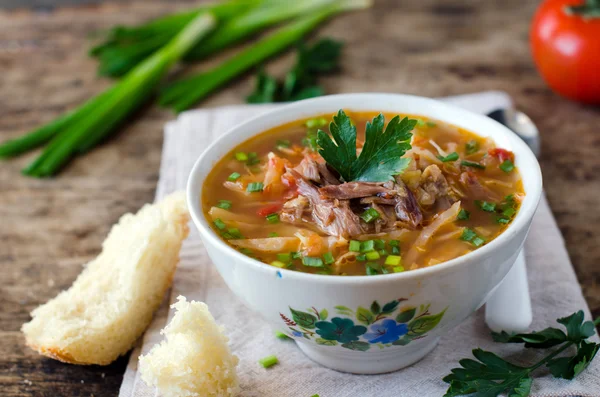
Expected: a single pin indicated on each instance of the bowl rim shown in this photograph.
(521, 221)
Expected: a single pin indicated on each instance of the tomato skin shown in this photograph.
(566, 50)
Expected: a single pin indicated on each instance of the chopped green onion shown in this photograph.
(373, 255)
(463, 215)
(273, 218)
(278, 264)
(273, 234)
(285, 143)
(315, 395)
(268, 361)
(507, 166)
(354, 246)
(296, 255)
(382, 252)
(219, 224)
(371, 271)
(246, 251)
(284, 257)
(509, 212)
(224, 204)
(235, 233)
(478, 241)
(451, 157)
(393, 260)
(394, 243)
(254, 187)
(468, 234)
(398, 269)
(183, 93)
(241, 156)
(430, 124)
(486, 205)
(379, 244)
(234, 176)
(510, 199)
(502, 220)
(361, 257)
(472, 164)
(396, 250)
(370, 215)
(312, 262)
(471, 147)
(328, 258)
(367, 246)
(314, 123)
(281, 335)
(252, 159)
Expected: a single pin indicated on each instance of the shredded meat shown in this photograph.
(352, 190)
(434, 189)
(479, 192)
(309, 169)
(327, 175)
(333, 217)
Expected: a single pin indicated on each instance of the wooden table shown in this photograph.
(49, 228)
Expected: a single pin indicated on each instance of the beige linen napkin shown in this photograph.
(554, 288)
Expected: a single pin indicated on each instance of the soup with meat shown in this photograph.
(362, 196)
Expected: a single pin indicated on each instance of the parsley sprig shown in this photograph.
(381, 155)
(491, 375)
(301, 82)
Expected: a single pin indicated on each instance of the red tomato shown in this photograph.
(502, 154)
(566, 48)
(269, 209)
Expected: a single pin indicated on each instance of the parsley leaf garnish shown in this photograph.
(300, 82)
(491, 375)
(381, 155)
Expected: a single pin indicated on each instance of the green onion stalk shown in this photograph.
(184, 93)
(84, 127)
(240, 19)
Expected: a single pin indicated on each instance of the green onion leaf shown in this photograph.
(273, 234)
(312, 262)
(451, 157)
(372, 256)
(241, 156)
(393, 260)
(224, 204)
(219, 224)
(273, 218)
(328, 258)
(367, 246)
(354, 246)
(502, 220)
(370, 215)
(235, 233)
(509, 212)
(463, 215)
(371, 270)
(471, 147)
(361, 257)
(478, 241)
(472, 164)
(507, 166)
(234, 176)
(379, 244)
(398, 269)
(268, 361)
(468, 234)
(254, 187)
(281, 335)
(486, 205)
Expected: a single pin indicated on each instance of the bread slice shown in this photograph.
(112, 301)
(195, 359)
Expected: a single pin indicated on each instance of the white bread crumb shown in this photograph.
(112, 301)
(195, 359)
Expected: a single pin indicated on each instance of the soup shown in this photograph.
(408, 194)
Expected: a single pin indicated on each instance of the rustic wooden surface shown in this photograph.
(48, 228)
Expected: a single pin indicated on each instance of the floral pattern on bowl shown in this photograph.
(382, 326)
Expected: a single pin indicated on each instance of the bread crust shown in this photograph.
(122, 289)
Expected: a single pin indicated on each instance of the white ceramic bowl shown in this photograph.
(369, 324)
